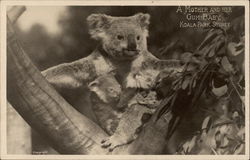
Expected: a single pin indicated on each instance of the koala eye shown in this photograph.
(138, 38)
(120, 37)
(110, 89)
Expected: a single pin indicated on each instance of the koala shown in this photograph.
(123, 50)
(123, 127)
(122, 39)
(106, 92)
(140, 109)
(147, 76)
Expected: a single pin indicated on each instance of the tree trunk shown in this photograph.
(43, 108)
(68, 131)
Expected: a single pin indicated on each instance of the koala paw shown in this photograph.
(111, 143)
(121, 105)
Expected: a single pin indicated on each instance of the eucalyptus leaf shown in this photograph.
(211, 51)
(205, 123)
(207, 40)
(235, 49)
(226, 64)
(185, 83)
(240, 149)
(220, 91)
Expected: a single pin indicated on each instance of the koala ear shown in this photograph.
(143, 19)
(113, 72)
(97, 24)
(93, 85)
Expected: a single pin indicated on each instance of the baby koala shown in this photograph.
(140, 108)
(105, 94)
(123, 126)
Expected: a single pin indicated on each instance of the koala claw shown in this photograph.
(110, 143)
(105, 143)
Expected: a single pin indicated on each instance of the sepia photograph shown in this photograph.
(155, 79)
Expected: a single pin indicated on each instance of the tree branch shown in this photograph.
(42, 107)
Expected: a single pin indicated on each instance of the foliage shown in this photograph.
(214, 70)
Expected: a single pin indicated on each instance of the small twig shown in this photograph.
(214, 151)
(223, 123)
(229, 93)
(209, 111)
(235, 88)
(15, 12)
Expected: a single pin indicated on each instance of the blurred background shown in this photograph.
(53, 35)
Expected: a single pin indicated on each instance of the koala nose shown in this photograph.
(131, 43)
(131, 46)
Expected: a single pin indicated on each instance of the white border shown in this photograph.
(6, 3)
(126, 2)
(3, 85)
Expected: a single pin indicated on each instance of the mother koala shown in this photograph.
(122, 49)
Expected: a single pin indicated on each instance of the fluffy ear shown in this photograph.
(93, 85)
(112, 73)
(97, 24)
(143, 19)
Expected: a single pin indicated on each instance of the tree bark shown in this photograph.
(68, 131)
(43, 108)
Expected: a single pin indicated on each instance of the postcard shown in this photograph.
(124, 79)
